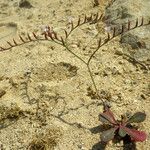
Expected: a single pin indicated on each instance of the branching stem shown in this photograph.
(68, 49)
(48, 35)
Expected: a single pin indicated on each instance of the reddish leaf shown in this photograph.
(138, 136)
(107, 117)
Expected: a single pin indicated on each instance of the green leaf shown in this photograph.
(108, 134)
(137, 117)
(122, 132)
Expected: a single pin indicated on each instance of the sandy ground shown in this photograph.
(44, 89)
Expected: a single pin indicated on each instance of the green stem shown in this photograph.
(74, 54)
(89, 70)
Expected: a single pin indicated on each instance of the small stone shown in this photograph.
(2, 92)
(24, 4)
(96, 3)
(143, 96)
(74, 46)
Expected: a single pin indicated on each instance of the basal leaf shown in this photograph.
(137, 136)
(108, 134)
(137, 117)
(107, 117)
(122, 132)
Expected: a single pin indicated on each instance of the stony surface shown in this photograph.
(48, 92)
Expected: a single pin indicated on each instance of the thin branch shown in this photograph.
(94, 18)
(67, 48)
(115, 34)
(30, 39)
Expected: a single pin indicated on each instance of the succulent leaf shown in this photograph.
(122, 132)
(107, 117)
(104, 119)
(137, 136)
(137, 117)
(108, 134)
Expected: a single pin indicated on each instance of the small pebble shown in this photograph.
(24, 4)
(2, 92)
